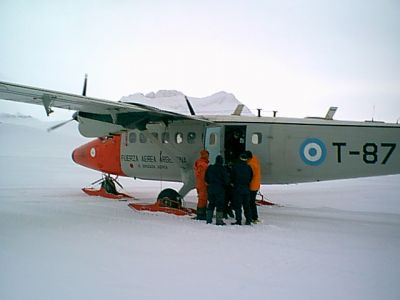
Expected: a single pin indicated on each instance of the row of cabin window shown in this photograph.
(165, 137)
(256, 138)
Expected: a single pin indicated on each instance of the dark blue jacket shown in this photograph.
(216, 177)
(241, 177)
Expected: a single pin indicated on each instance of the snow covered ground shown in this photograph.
(327, 240)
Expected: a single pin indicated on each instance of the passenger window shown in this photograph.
(191, 137)
(142, 138)
(256, 138)
(132, 137)
(179, 138)
(165, 138)
(213, 138)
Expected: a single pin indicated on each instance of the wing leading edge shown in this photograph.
(128, 115)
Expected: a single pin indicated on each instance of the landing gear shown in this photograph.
(168, 201)
(107, 188)
(170, 198)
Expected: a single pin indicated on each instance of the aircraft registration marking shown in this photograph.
(313, 152)
(371, 153)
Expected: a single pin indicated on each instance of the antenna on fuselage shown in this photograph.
(331, 112)
(238, 110)
(190, 107)
(84, 85)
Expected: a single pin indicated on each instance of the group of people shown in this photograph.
(222, 188)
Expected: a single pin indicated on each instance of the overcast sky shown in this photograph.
(297, 57)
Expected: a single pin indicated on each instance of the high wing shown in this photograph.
(126, 115)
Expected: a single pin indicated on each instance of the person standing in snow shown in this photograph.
(255, 183)
(241, 178)
(217, 179)
(200, 167)
(228, 205)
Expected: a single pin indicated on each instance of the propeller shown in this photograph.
(74, 118)
(75, 115)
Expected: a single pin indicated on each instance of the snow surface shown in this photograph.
(327, 240)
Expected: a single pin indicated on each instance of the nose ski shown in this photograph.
(107, 189)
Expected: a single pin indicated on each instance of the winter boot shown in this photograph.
(201, 213)
(209, 215)
(220, 218)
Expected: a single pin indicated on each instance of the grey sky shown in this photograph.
(297, 57)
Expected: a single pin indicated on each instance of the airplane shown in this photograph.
(141, 141)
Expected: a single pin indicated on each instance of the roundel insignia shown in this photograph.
(312, 152)
(93, 152)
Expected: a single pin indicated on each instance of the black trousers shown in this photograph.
(242, 199)
(253, 205)
(216, 199)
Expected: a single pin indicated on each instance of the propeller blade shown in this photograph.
(84, 85)
(74, 118)
(190, 107)
(59, 125)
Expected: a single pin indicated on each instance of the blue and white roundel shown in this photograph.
(312, 152)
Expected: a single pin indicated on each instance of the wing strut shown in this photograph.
(47, 102)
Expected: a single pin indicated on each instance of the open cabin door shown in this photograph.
(235, 142)
(213, 142)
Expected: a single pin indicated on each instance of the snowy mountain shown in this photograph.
(220, 103)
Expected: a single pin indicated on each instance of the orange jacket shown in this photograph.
(254, 164)
(200, 167)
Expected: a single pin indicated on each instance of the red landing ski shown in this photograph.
(103, 193)
(262, 202)
(159, 206)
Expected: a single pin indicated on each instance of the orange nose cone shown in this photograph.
(100, 154)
